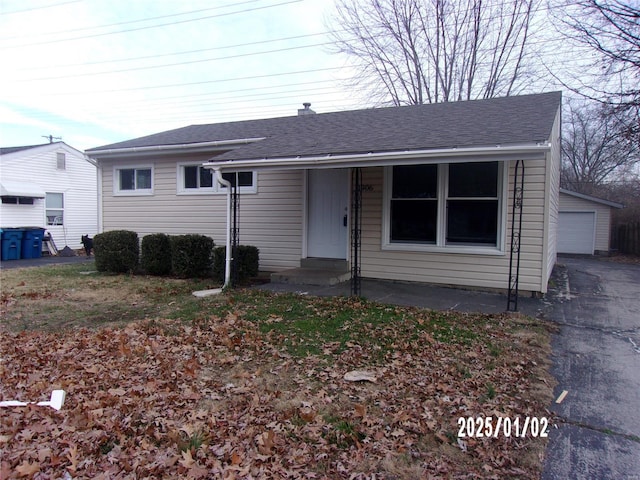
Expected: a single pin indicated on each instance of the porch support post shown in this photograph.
(227, 263)
(356, 231)
(235, 231)
(516, 230)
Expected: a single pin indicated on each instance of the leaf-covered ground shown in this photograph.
(253, 387)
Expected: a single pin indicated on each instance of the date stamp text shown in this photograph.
(493, 427)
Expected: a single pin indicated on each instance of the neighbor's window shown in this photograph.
(443, 205)
(17, 200)
(134, 180)
(54, 205)
(61, 161)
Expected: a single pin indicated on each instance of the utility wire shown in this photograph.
(179, 64)
(39, 8)
(47, 42)
(148, 19)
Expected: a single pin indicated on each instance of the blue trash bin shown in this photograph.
(11, 243)
(32, 242)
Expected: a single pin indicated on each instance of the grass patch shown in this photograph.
(251, 381)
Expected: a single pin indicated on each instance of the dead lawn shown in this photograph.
(250, 384)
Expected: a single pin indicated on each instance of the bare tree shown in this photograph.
(426, 51)
(611, 29)
(595, 148)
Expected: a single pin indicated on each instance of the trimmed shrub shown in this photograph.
(155, 258)
(191, 255)
(116, 251)
(247, 259)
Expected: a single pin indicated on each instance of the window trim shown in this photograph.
(441, 246)
(46, 209)
(135, 192)
(216, 189)
(61, 161)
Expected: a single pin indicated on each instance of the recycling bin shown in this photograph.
(32, 242)
(11, 243)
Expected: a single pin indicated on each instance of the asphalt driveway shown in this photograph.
(596, 358)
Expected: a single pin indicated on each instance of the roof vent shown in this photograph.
(306, 110)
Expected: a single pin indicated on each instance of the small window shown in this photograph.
(18, 200)
(54, 205)
(61, 161)
(134, 181)
(196, 177)
(239, 179)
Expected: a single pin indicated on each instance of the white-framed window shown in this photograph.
(136, 180)
(61, 161)
(445, 207)
(245, 181)
(194, 179)
(54, 208)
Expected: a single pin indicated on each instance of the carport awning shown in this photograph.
(375, 159)
(21, 189)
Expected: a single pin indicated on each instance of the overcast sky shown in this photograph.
(95, 72)
(99, 71)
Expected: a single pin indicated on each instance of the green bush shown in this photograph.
(247, 259)
(155, 257)
(116, 251)
(191, 255)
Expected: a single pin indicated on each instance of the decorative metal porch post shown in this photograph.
(516, 213)
(235, 230)
(356, 231)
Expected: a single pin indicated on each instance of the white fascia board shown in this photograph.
(374, 159)
(169, 149)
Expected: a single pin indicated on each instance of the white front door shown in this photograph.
(327, 207)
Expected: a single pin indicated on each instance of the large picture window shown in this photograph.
(414, 204)
(472, 204)
(454, 205)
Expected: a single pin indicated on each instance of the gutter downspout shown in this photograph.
(227, 264)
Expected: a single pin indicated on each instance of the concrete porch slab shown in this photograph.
(310, 276)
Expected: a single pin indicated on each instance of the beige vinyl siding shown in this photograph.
(478, 270)
(569, 203)
(553, 201)
(270, 219)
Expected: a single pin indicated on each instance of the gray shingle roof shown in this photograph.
(525, 119)
(8, 150)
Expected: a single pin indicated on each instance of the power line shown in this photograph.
(47, 42)
(186, 52)
(39, 8)
(203, 82)
(179, 64)
(148, 19)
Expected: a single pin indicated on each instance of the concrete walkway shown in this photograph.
(420, 295)
(42, 261)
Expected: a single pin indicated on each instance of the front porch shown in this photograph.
(315, 271)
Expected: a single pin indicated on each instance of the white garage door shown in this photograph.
(576, 232)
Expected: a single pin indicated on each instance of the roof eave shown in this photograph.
(169, 149)
(374, 159)
(591, 199)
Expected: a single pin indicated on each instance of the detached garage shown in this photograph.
(584, 223)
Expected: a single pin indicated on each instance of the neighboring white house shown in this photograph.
(52, 186)
(436, 186)
(584, 224)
